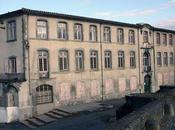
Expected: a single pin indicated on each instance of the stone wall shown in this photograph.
(149, 111)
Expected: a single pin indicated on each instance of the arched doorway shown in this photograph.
(147, 84)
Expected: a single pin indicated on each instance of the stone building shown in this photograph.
(50, 59)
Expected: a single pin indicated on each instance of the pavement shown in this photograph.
(90, 116)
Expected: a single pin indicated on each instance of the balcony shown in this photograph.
(12, 77)
(147, 69)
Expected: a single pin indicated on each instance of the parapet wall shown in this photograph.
(147, 111)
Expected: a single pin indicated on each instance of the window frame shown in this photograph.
(64, 60)
(94, 60)
(108, 59)
(42, 92)
(78, 32)
(170, 39)
(79, 63)
(164, 39)
(159, 58)
(145, 36)
(12, 65)
(62, 31)
(43, 63)
(107, 34)
(121, 59)
(12, 30)
(132, 59)
(171, 58)
(39, 35)
(120, 35)
(158, 38)
(93, 33)
(165, 59)
(131, 37)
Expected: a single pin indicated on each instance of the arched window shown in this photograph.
(131, 37)
(146, 59)
(44, 94)
(12, 96)
(145, 36)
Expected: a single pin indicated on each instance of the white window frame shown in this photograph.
(78, 32)
(107, 34)
(108, 59)
(121, 59)
(63, 60)
(132, 59)
(43, 63)
(94, 60)
(79, 58)
(42, 29)
(120, 35)
(62, 30)
(93, 33)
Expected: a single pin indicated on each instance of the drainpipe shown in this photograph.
(24, 42)
(101, 58)
(154, 56)
(140, 89)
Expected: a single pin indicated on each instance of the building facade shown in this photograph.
(50, 59)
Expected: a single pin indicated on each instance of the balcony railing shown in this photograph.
(12, 77)
(147, 68)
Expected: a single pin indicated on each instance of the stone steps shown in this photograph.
(28, 124)
(52, 115)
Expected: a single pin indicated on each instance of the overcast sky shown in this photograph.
(160, 13)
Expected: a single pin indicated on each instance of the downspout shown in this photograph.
(24, 42)
(139, 58)
(101, 58)
(154, 56)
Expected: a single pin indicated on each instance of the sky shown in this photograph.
(159, 13)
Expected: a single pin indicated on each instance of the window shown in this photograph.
(62, 30)
(145, 36)
(108, 60)
(12, 68)
(78, 32)
(44, 94)
(79, 57)
(42, 29)
(43, 63)
(12, 96)
(158, 38)
(171, 58)
(120, 35)
(107, 34)
(63, 60)
(146, 59)
(132, 59)
(159, 59)
(164, 39)
(131, 37)
(170, 39)
(121, 59)
(93, 33)
(165, 59)
(94, 60)
(11, 30)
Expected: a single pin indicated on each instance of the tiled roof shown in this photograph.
(73, 17)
